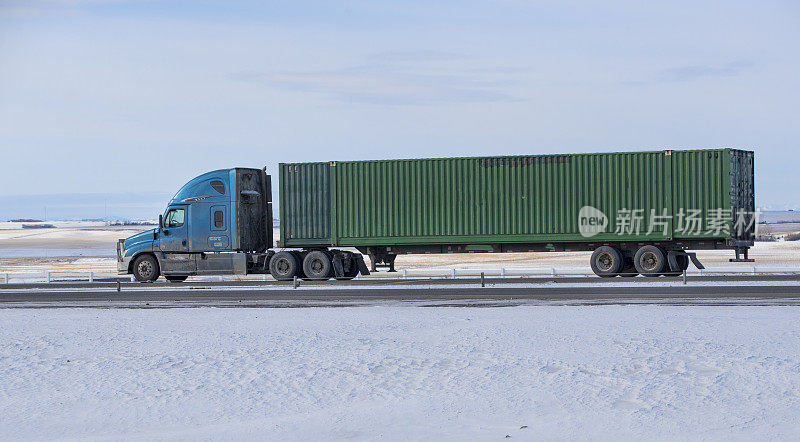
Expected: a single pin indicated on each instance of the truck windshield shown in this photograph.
(174, 218)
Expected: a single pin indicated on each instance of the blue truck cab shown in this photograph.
(218, 223)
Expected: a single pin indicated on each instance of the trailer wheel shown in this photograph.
(283, 266)
(606, 262)
(317, 266)
(682, 259)
(145, 268)
(650, 261)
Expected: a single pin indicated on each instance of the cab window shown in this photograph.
(219, 187)
(174, 218)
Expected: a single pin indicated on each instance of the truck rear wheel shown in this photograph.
(145, 268)
(283, 266)
(606, 262)
(650, 261)
(317, 265)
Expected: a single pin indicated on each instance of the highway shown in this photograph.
(706, 290)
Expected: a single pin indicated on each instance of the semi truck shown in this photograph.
(640, 213)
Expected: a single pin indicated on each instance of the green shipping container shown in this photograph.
(693, 198)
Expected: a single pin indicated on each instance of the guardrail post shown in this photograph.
(91, 276)
(404, 274)
(6, 278)
(754, 270)
(553, 272)
(294, 282)
(48, 277)
(503, 272)
(133, 279)
(684, 277)
(454, 273)
(483, 280)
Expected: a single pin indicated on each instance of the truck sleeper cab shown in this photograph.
(221, 223)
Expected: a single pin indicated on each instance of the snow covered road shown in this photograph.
(401, 373)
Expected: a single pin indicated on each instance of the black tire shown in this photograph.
(317, 266)
(682, 260)
(650, 261)
(176, 278)
(607, 262)
(145, 268)
(283, 266)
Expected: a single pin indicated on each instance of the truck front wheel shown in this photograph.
(145, 268)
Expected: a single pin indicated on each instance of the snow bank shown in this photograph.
(401, 373)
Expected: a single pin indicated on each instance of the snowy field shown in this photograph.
(401, 373)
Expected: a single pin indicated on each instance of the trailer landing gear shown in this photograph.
(382, 260)
(739, 252)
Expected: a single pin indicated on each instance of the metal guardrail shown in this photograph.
(8, 278)
(510, 273)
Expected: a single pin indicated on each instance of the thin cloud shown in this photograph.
(398, 78)
(688, 73)
(694, 72)
(415, 56)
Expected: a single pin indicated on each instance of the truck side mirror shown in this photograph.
(160, 222)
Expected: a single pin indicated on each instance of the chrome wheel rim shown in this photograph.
(145, 269)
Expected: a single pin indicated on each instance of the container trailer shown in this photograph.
(639, 212)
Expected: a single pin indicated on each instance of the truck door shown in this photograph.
(173, 241)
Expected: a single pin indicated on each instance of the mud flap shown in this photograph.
(672, 261)
(338, 268)
(362, 266)
(695, 261)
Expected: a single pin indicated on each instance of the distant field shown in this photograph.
(70, 240)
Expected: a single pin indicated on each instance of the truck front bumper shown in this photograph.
(122, 266)
(122, 261)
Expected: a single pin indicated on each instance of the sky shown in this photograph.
(115, 97)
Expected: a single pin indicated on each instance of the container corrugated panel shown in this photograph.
(501, 199)
(305, 203)
(701, 184)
